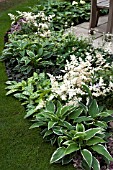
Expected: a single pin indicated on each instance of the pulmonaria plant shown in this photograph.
(93, 71)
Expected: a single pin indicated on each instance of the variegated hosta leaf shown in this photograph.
(80, 127)
(87, 156)
(58, 154)
(51, 124)
(50, 106)
(95, 140)
(103, 151)
(37, 124)
(92, 132)
(71, 148)
(95, 164)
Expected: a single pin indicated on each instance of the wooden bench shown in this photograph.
(96, 5)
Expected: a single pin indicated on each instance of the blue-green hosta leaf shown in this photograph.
(76, 113)
(58, 154)
(93, 109)
(95, 140)
(103, 151)
(87, 156)
(92, 132)
(37, 124)
(80, 127)
(50, 106)
(95, 164)
(51, 124)
(71, 148)
(83, 119)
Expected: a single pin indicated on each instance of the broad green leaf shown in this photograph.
(93, 109)
(76, 113)
(80, 127)
(87, 156)
(50, 106)
(58, 154)
(95, 140)
(71, 148)
(51, 124)
(83, 119)
(92, 132)
(103, 151)
(37, 124)
(95, 164)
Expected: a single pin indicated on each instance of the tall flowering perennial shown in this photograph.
(95, 72)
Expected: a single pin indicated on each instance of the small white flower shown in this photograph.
(74, 3)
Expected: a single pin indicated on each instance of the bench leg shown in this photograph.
(110, 18)
(94, 15)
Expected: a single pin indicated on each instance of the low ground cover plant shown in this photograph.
(65, 84)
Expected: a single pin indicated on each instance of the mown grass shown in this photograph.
(20, 148)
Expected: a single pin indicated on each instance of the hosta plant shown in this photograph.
(82, 129)
(33, 92)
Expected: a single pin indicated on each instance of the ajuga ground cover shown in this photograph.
(64, 84)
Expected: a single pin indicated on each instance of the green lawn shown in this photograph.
(20, 148)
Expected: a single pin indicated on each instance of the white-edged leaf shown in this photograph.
(51, 124)
(76, 113)
(58, 154)
(71, 148)
(95, 140)
(103, 151)
(80, 127)
(91, 132)
(37, 124)
(95, 164)
(50, 106)
(87, 155)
